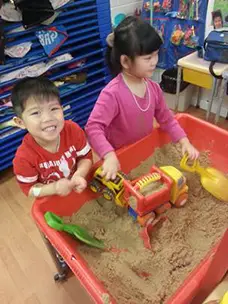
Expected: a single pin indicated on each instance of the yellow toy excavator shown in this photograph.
(111, 189)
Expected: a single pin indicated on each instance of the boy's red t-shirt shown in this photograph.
(33, 164)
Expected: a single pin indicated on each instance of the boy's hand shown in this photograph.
(64, 186)
(79, 183)
(110, 166)
(188, 148)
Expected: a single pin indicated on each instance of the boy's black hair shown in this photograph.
(132, 37)
(39, 87)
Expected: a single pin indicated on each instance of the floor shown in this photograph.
(26, 267)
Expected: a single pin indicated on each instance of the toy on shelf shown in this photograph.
(183, 9)
(166, 5)
(146, 6)
(142, 201)
(177, 35)
(194, 9)
(56, 222)
(188, 10)
(191, 9)
(197, 10)
(157, 6)
(190, 38)
(163, 7)
(214, 181)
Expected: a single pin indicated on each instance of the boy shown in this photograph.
(54, 157)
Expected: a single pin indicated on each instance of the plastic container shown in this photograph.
(203, 279)
(185, 99)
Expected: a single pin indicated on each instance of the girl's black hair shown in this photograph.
(132, 37)
(216, 14)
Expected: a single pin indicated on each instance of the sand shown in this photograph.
(151, 188)
(134, 274)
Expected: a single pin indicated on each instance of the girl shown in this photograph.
(217, 19)
(124, 111)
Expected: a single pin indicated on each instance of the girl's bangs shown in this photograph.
(150, 43)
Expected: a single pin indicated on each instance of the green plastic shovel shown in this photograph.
(55, 222)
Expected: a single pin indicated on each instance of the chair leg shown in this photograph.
(179, 72)
(220, 100)
(211, 98)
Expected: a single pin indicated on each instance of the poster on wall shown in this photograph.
(220, 14)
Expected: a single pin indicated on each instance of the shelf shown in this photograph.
(87, 23)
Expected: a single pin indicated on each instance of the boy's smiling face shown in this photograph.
(43, 119)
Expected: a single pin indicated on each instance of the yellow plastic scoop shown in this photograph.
(225, 299)
(214, 181)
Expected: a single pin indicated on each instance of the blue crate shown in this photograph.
(87, 23)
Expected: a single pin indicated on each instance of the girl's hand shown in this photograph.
(188, 148)
(110, 166)
(79, 183)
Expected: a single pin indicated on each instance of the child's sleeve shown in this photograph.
(105, 110)
(82, 146)
(165, 118)
(26, 174)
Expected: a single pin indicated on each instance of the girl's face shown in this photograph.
(217, 22)
(143, 66)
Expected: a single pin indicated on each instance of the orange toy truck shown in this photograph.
(171, 189)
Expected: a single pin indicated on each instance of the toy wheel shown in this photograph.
(146, 219)
(59, 277)
(151, 218)
(163, 208)
(125, 176)
(108, 194)
(181, 201)
(95, 186)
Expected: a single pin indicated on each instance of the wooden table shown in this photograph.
(196, 71)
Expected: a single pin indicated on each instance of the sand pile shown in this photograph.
(135, 274)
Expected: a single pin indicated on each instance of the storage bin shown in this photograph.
(185, 99)
(205, 276)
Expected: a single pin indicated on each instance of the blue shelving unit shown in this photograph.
(87, 23)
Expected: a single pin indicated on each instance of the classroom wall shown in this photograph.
(128, 7)
(124, 6)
